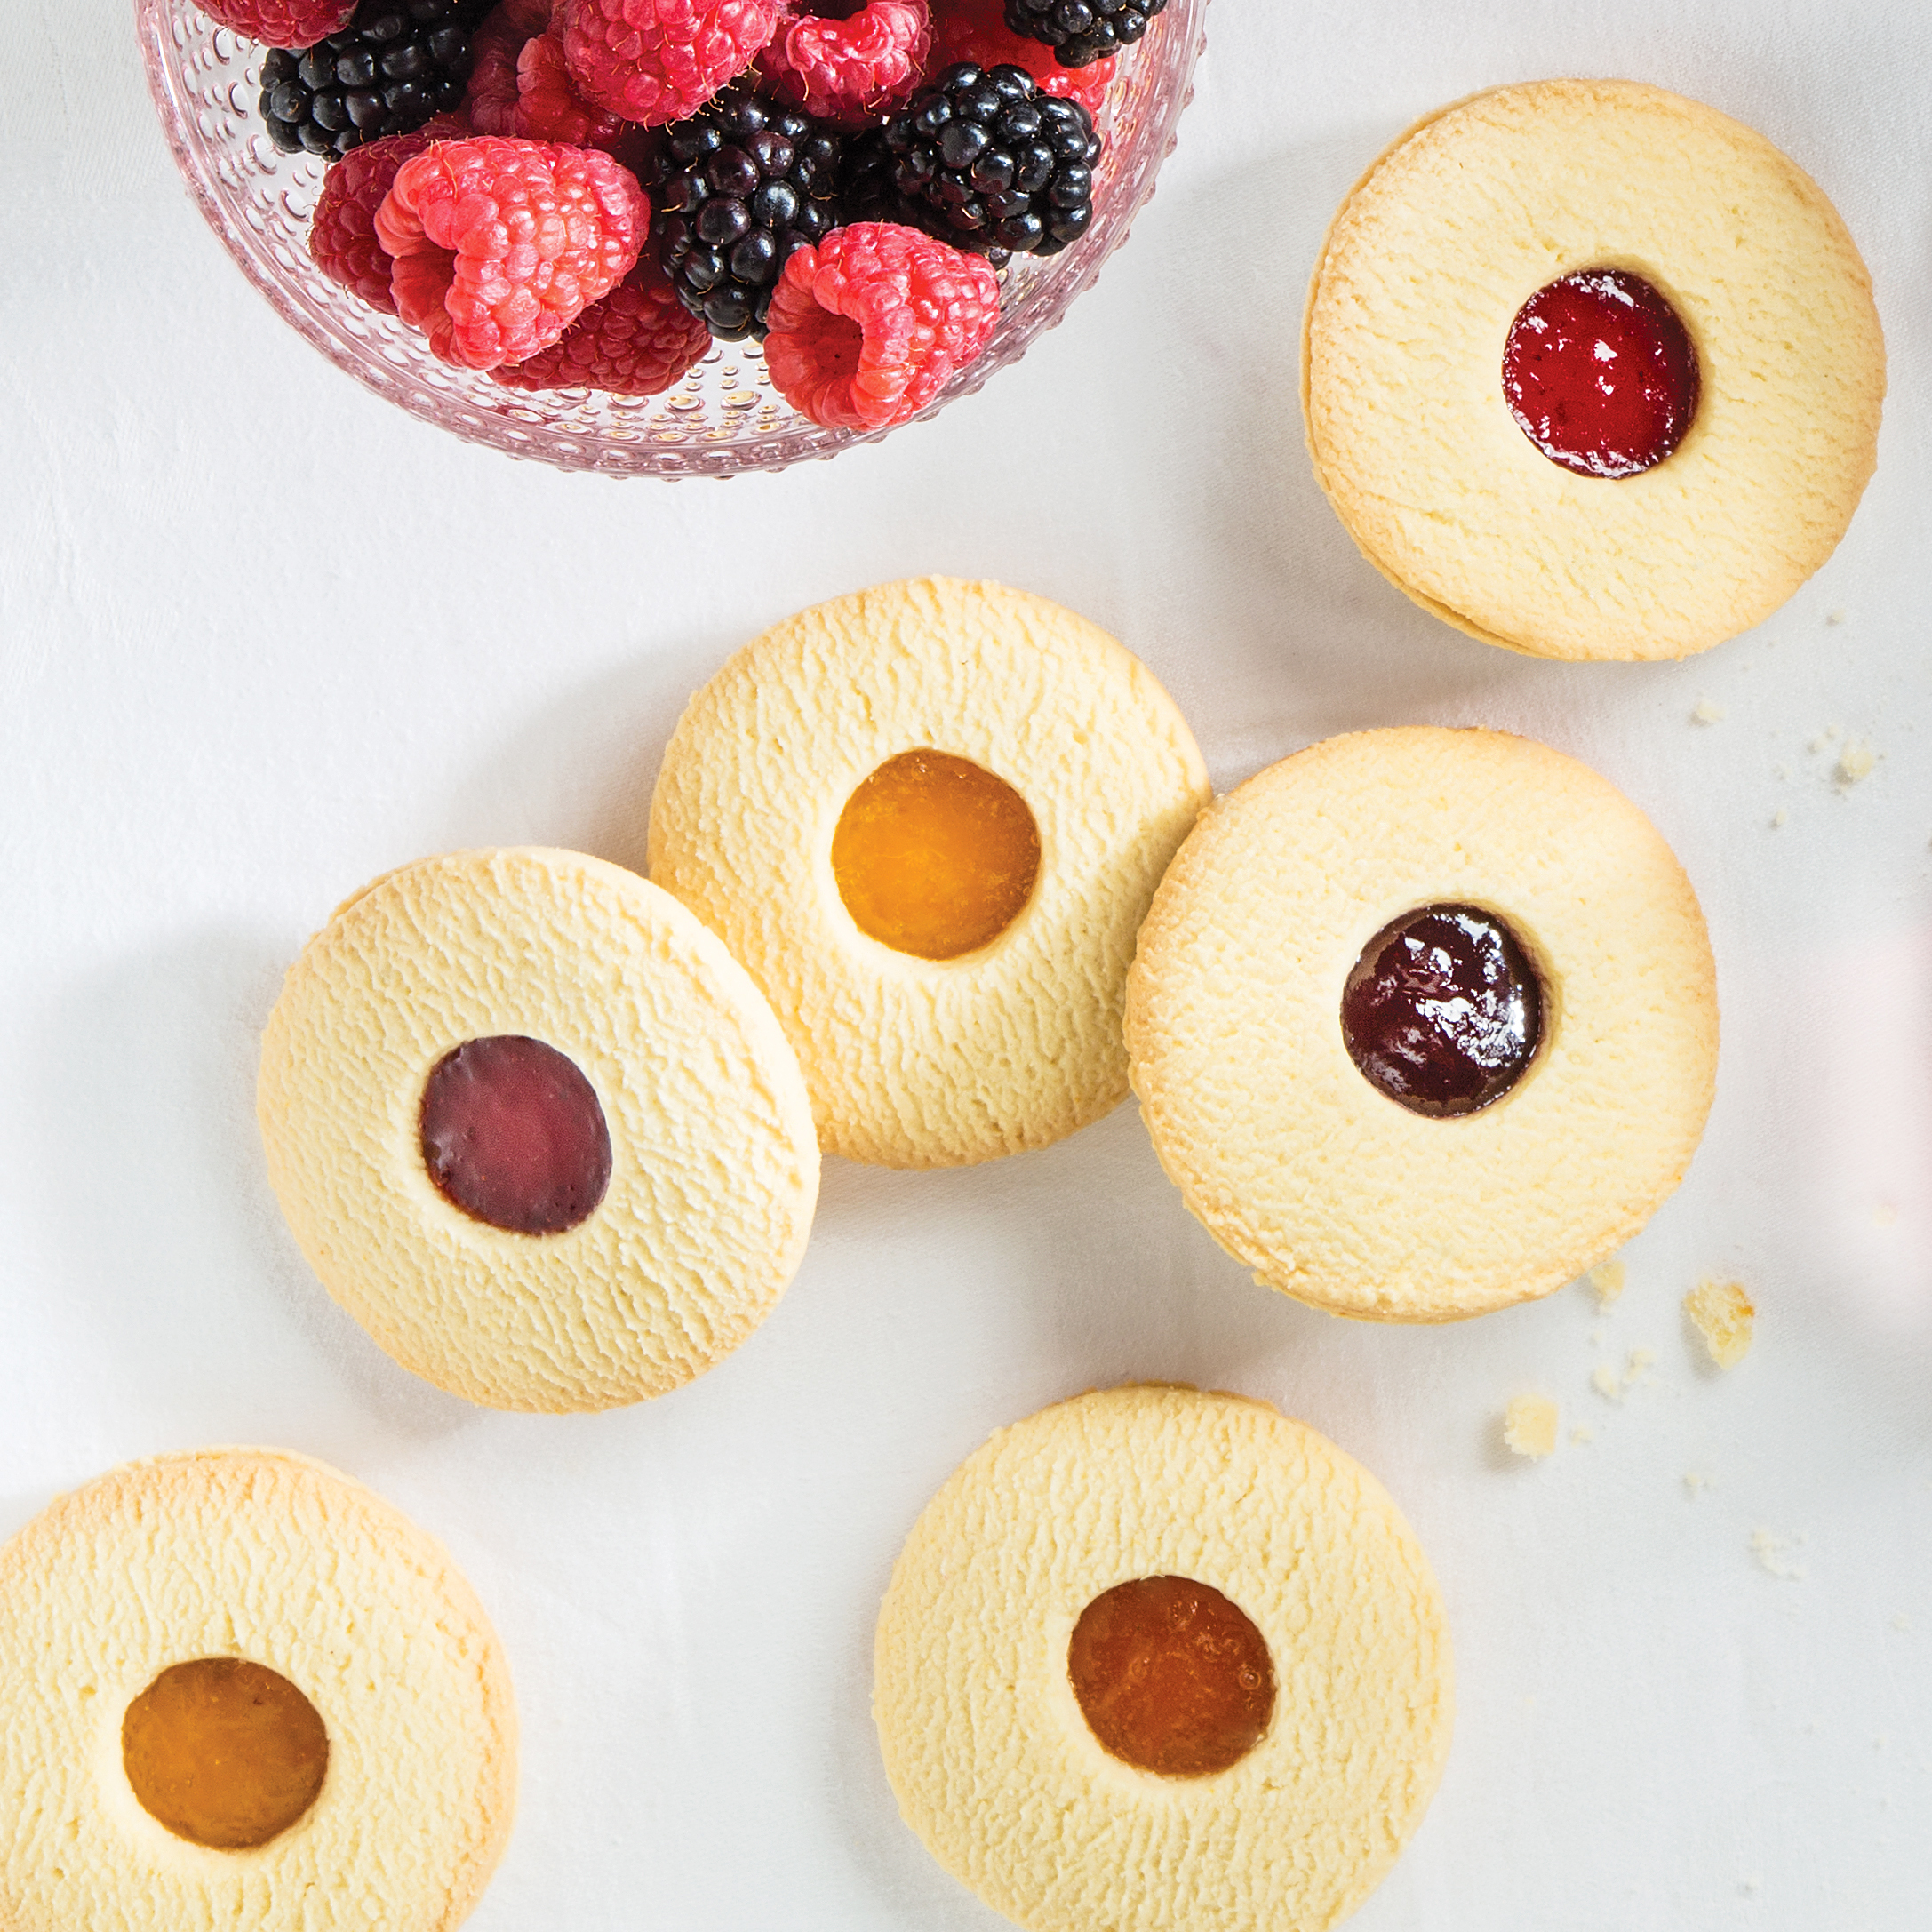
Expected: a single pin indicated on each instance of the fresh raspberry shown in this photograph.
(282, 23)
(849, 71)
(655, 61)
(342, 240)
(638, 342)
(868, 327)
(976, 31)
(500, 246)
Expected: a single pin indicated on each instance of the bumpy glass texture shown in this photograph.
(724, 417)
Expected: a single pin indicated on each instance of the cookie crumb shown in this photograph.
(1773, 1555)
(1696, 1485)
(1582, 1433)
(1604, 1380)
(1529, 1426)
(1824, 738)
(1778, 819)
(1723, 1314)
(1607, 1279)
(1599, 1333)
(1854, 763)
(1707, 711)
(1834, 616)
(1778, 771)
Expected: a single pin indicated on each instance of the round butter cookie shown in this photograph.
(927, 817)
(1157, 1659)
(1424, 1023)
(238, 1689)
(536, 1131)
(1486, 212)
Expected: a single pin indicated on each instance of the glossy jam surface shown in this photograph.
(934, 856)
(1443, 1012)
(224, 1752)
(1599, 373)
(1171, 1677)
(513, 1135)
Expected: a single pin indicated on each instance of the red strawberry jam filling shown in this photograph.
(1171, 1677)
(1599, 373)
(513, 1135)
(1443, 1012)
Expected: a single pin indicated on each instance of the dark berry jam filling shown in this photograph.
(1443, 1012)
(1599, 373)
(513, 1134)
(1171, 1677)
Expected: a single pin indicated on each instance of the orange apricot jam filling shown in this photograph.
(224, 1752)
(934, 856)
(1171, 1677)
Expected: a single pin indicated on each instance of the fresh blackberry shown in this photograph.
(394, 66)
(741, 186)
(1081, 32)
(986, 161)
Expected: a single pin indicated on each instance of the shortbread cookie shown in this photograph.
(1499, 1136)
(536, 1131)
(1156, 1659)
(238, 1689)
(927, 817)
(1427, 267)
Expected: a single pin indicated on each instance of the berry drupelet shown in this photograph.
(397, 63)
(987, 162)
(740, 187)
(1080, 31)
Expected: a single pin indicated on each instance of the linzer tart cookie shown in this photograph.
(1424, 1023)
(536, 1131)
(927, 817)
(1591, 371)
(1156, 1659)
(238, 1689)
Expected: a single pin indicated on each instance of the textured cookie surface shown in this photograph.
(988, 1754)
(914, 1062)
(714, 1166)
(1425, 269)
(257, 1554)
(1317, 1181)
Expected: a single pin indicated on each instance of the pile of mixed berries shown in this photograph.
(583, 194)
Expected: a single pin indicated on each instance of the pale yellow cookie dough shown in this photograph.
(1321, 1183)
(258, 1555)
(989, 1756)
(914, 1062)
(1422, 273)
(715, 1167)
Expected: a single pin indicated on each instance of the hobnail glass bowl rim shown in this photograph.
(472, 407)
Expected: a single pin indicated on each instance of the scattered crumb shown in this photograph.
(1529, 1425)
(1884, 1215)
(1900, 1622)
(1778, 819)
(1778, 771)
(1824, 738)
(1641, 1362)
(1834, 616)
(1607, 1279)
(1582, 1432)
(1723, 1313)
(1774, 1554)
(1707, 711)
(1599, 1332)
(1696, 1485)
(1604, 1380)
(1748, 1886)
(1854, 763)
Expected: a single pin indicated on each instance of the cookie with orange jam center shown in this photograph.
(1157, 1658)
(237, 1688)
(928, 819)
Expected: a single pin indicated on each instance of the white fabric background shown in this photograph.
(263, 636)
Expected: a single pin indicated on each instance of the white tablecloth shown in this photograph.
(263, 636)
